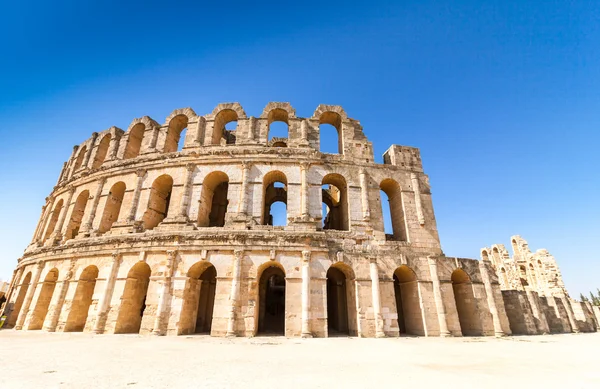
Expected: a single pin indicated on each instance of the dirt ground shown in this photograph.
(44, 360)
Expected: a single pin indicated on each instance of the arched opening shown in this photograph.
(504, 278)
(134, 143)
(330, 130)
(274, 191)
(114, 200)
(174, 140)
(485, 256)
(523, 275)
(466, 305)
(224, 127)
(534, 282)
(213, 200)
(335, 196)
(406, 290)
(271, 319)
(542, 278)
(393, 193)
(43, 302)
(159, 201)
(337, 302)
(198, 299)
(77, 215)
(101, 152)
(496, 256)
(53, 219)
(12, 319)
(278, 127)
(79, 160)
(133, 300)
(82, 300)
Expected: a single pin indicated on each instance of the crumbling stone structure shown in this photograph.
(535, 298)
(141, 235)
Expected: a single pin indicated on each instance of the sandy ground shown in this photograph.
(42, 360)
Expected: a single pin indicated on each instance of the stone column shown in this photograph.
(251, 124)
(87, 226)
(304, 133)
(60, 293)
(417, 190)
(489, 291)
(567, 303)
(40, 222)
(379, 333)
(235, 291)
(104, 302)
(113, 147)
(141, 173)
(306, 294)
(5, 311)
(29, 296)
(437, 296)
(187, 186)
(304, 167)
(63, 215)
(364, 195)
(88, 154)
(163, 298)
(243, 206)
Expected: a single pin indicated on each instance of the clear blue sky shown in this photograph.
(501, 96)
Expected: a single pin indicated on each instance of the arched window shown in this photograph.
(496, 256)
(176, 134)
(534, 281)
(213, 200)
(278, 127)
(334, 195)
(274, 190)
(224, 126)
(79, 160)
(159, 201)
(134, 142)
(330, 133)
(53, 219)
(112, 206)
(101, 152)
(77, 215)
(523, 275)
(392, 191)
(484, 255)
(505, 278)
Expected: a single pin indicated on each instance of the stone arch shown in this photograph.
(341, 300)
(174, 130)
(271, 299)
(25, 284)
(532, 274)
(53, 219)
(466, 305)
(394, 194)
(214, 200)
(101, 151)
(82, 300)
(542, 274)
(496, 256)
(335, 120)
(158, 202)
(523, 278)
(198, 299)
(77, 215)
(271, 106)
(335, 198)
(134, 140)
(273, 193)
(222, 118)
(504, 278)
(133, 300)
(43, 302)
(112, 207)
(485, 256)
(277, 115)
(408, 305)
(79, 159)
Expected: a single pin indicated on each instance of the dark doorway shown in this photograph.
(272, 302)
(206, 302)
(337, 303)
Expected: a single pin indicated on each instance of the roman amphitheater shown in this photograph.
(140, 235)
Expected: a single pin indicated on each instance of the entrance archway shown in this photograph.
(271, 320)
(337, 302)
(82, 300)
(133, 301)
(406, 290)
(43, 302)
(466, 307)
(198, 299)
(12, 319)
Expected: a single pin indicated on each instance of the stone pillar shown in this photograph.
(304, 167)
(235, 291)
(40, 221)
(104, 302)
(306, 294)
(87, 226)
(200, 131)
(141, 173)
(489, 291)
(251, 124)
(5, 311)
(567, 303)
(53, 315)
(437, 296)
(364, 195)
(243, 206)
(113, 147)
(88, 154)
(29, 296)
(165, 293)
(541, 322)
(63, 215)
(187, 186)
(417, 190)
(379, 333)
(304, 133)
